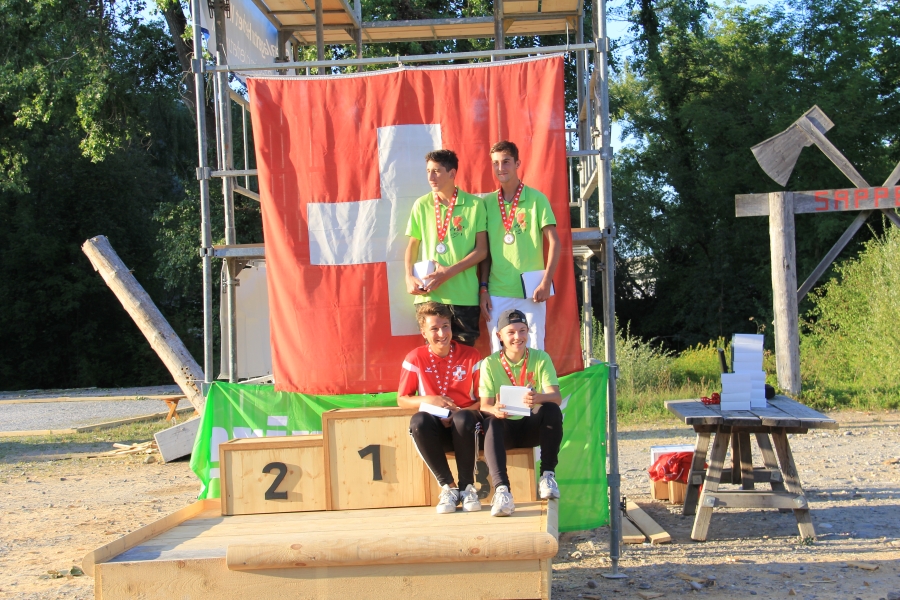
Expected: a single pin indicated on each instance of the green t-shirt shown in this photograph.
(509, 261)
(467, 220)
(539, 373)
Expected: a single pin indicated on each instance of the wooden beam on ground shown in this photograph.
(631, 534)
(650, 527)
(178, 441)
(137, 302)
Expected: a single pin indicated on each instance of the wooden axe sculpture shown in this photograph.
(778, 154)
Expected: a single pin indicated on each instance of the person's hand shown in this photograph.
(442, 401)
(414, 285)
(496, 410)
(435, 280)
(542, 292)
(529, 398)
(446, 421)
(486, 306)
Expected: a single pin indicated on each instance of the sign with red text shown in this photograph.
(818, 201)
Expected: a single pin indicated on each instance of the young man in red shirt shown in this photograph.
(443, 374)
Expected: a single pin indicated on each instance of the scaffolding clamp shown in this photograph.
(602, 44)
(197, 66)
(204, 252)
(204, 173)
(614, 370)
(613, 479)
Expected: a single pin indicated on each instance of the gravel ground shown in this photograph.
(66, 415)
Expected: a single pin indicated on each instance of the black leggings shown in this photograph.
(543, 429)
(434, 440)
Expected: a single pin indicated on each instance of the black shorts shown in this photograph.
(465, 323)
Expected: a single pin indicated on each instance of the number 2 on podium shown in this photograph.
(375, 451)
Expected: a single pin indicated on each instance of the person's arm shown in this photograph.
(493, 407)
(413, 401)
(484, 299)
(442, 273)
(413, 283)
(542, 292)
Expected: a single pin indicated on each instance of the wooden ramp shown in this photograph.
(408, 552)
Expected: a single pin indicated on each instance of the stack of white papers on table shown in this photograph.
(736, 389)
(747, 358)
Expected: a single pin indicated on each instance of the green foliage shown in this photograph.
(704, 84)
(851, 338)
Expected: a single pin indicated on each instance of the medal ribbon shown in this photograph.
(442, 227)
(442, 389)
(509, 373)
(508, 218)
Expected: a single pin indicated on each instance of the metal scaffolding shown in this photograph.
(327, 22)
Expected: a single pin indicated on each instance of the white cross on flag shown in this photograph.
(341, 162)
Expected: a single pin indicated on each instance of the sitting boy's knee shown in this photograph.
(551, 412)
(420, 421)
(464, 419)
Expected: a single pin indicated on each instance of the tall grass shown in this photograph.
(850, 342)
(649, 375)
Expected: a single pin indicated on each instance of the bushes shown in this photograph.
(850, 340)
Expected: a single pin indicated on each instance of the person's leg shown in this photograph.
(544, 429)
(433, 441)
(537, 323)
(462, 429)
(499, 304)
(465, 323)
(496, 439)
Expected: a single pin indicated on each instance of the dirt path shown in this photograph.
(54, 511)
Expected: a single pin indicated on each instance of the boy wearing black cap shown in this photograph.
(518, 365)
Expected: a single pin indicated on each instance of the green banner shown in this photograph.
(243, 411)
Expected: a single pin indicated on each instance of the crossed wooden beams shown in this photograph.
(777, 157)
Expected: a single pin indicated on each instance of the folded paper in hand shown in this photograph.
(530, 281)
(511, 397)
(437, 411)
(423, 268)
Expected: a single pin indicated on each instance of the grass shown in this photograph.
(89, 441)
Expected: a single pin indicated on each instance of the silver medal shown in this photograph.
(441, 248)
(509, 238)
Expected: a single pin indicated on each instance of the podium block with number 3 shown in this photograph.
(371, 461)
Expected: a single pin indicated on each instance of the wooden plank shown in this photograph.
(520, 6)
(210, 580)
(117, 546)
(694, 412)
(823, 201)
(770, 462)
(549, 6)
(273, 443)
(833, 154)
(713, 474)
(772, 416)
(757, 499)
(746, 460)
(631, 534)
(808, 417)
(386, 548)
(792, 482)
(647, 525)
(177, 441)
(739, 418)
(784, 286)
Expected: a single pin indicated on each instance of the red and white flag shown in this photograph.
(341, 161)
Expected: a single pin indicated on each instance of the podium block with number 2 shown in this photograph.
(371, 461)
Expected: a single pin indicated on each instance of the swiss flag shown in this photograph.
(341, 161)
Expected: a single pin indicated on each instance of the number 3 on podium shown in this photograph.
(375, 451)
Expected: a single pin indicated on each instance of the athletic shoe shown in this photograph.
(470, 501)
(448, 500)
(502, 504)
(547, 486)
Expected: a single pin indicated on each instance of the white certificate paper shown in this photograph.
(512, 399)
(437, 411)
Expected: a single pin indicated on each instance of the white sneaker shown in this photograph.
(502, 504)
(470, 501)
(547, 486)
(448, 500)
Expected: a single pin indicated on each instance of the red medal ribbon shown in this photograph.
(509, 373)
(442, 227)
(442, 389)
(508, 218)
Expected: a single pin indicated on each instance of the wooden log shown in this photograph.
(136, 301)
(328, 550)
(784, 295)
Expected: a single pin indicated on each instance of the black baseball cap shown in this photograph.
(508, 317)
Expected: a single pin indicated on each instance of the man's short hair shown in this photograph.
(508, 147)
(445, 158)
(432, 309)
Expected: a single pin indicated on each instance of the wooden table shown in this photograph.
(781, 417)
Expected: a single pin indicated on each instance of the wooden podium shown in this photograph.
(348, 513)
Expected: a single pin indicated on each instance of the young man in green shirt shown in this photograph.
(518, 365)
(519, 221)
(448, 227)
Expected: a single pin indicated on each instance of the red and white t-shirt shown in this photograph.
(454, 376)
